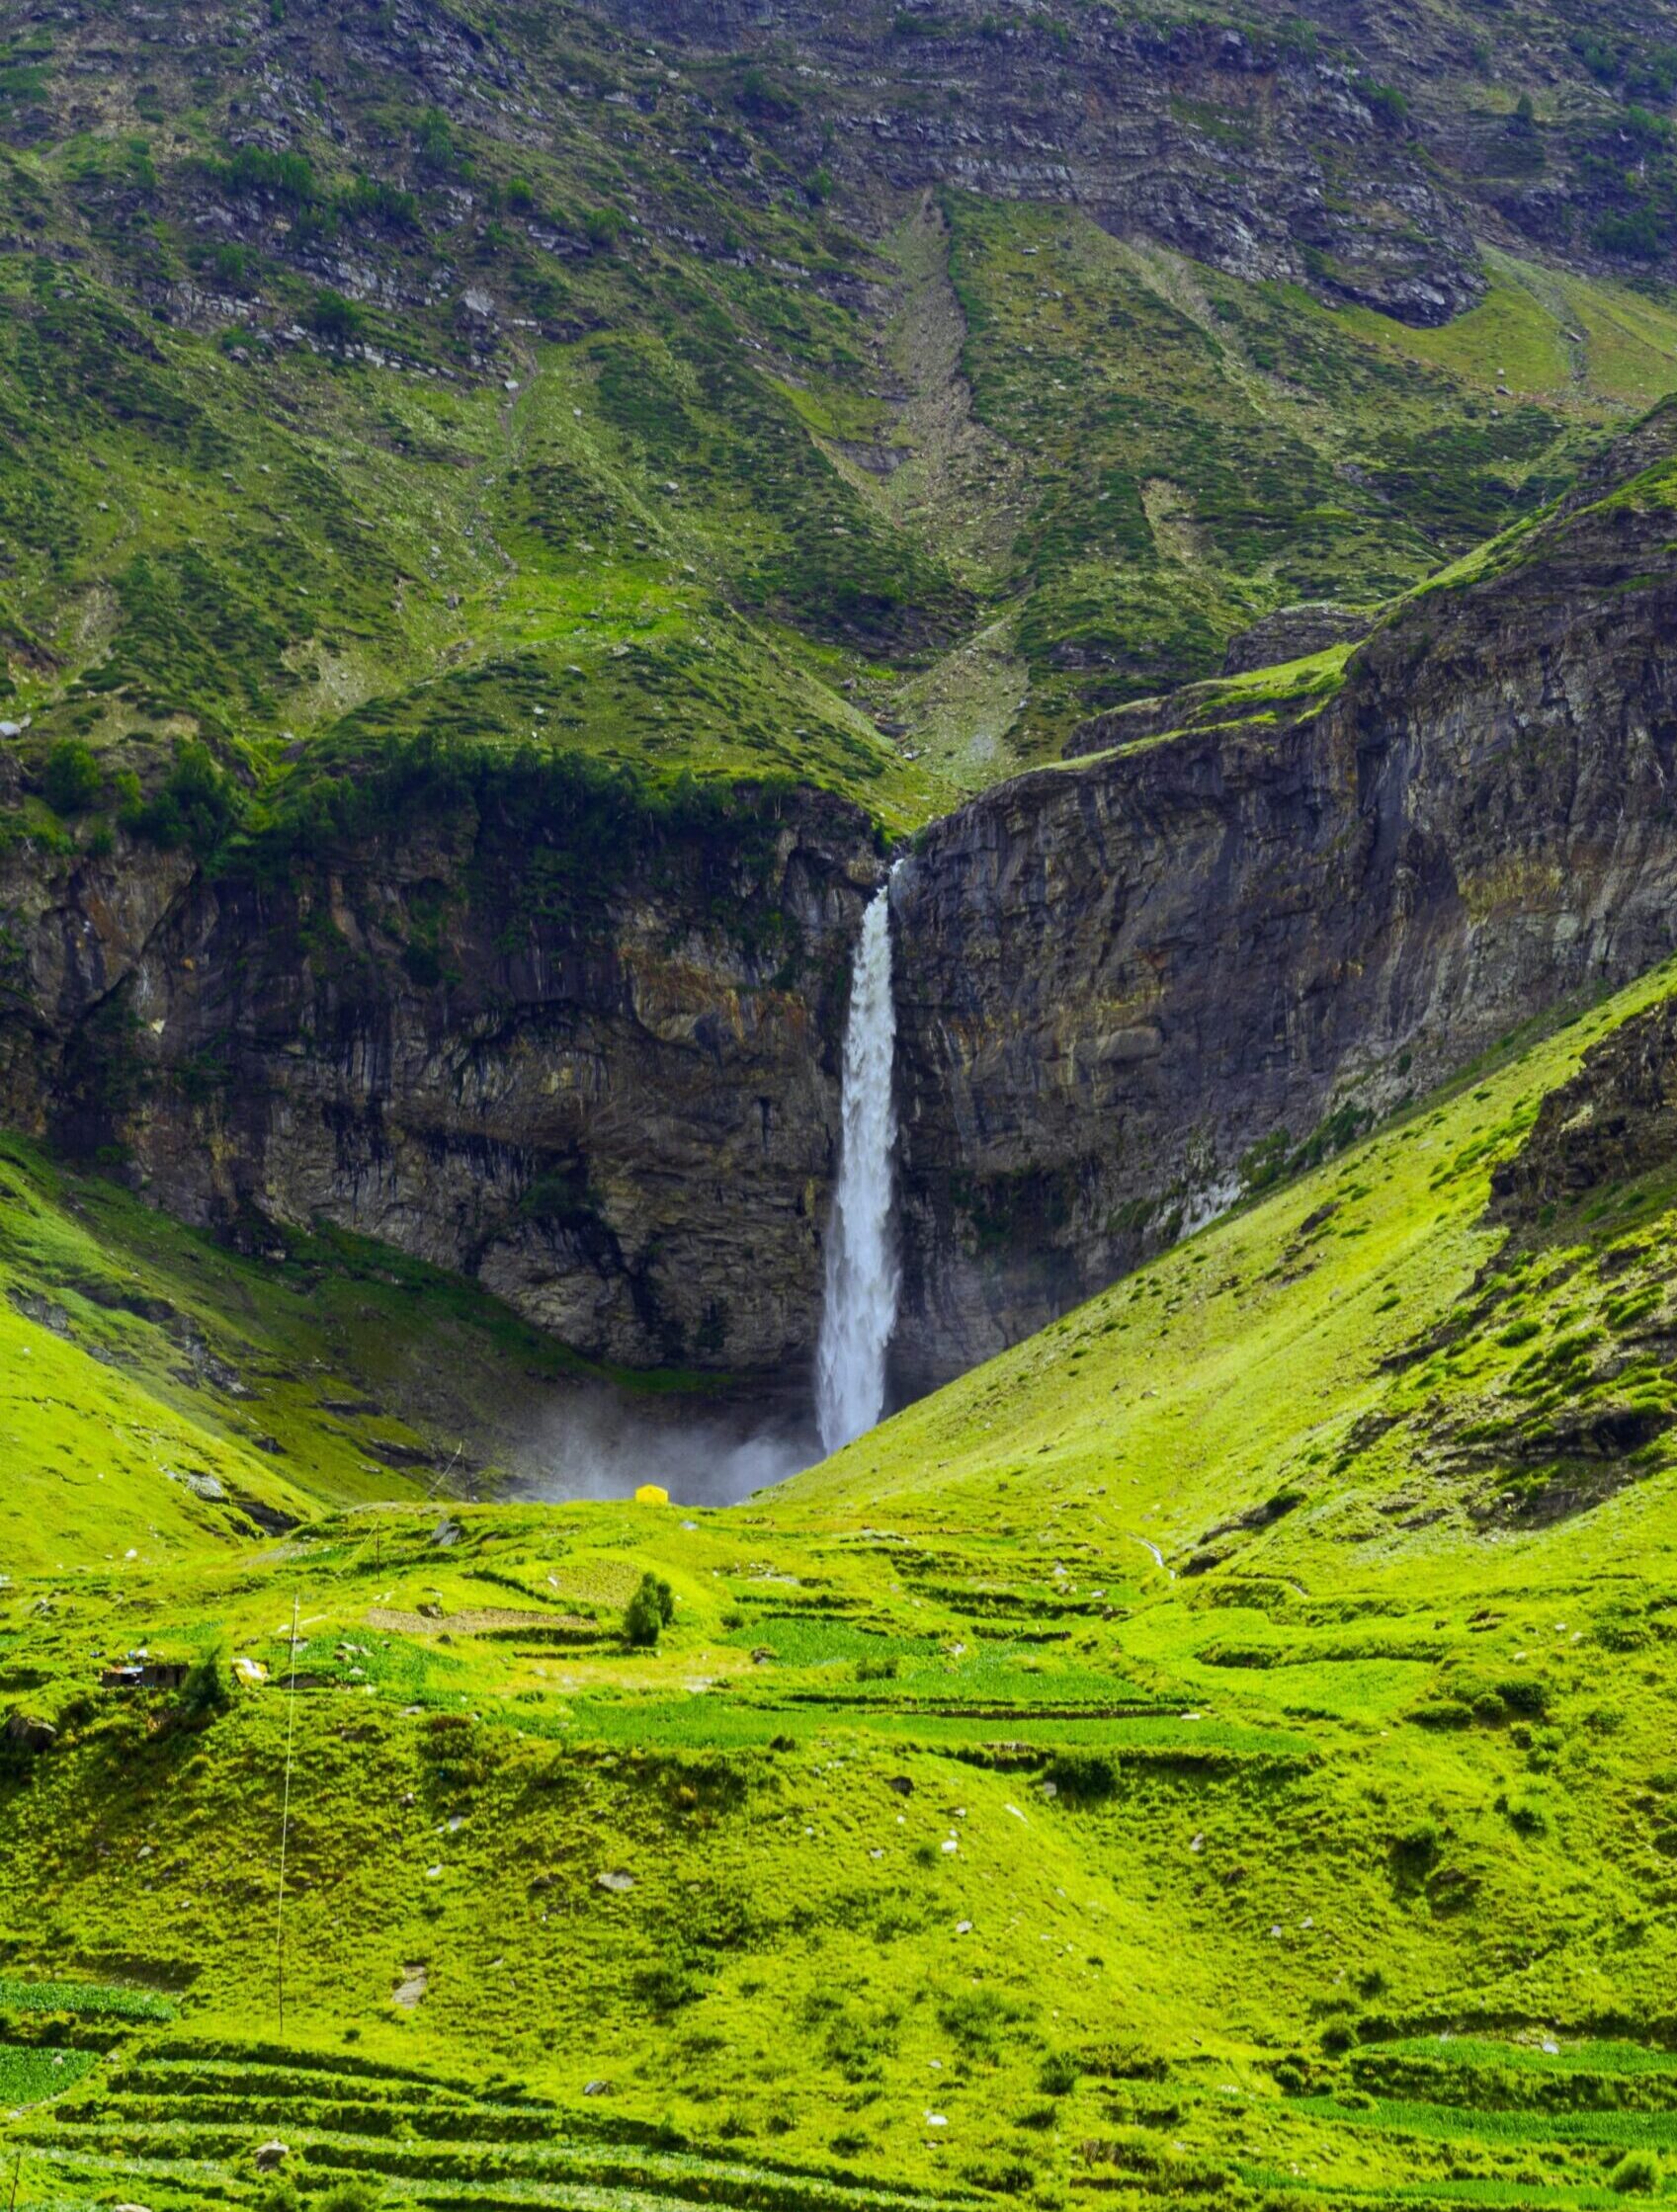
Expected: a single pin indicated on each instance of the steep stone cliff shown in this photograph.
(1615, 1120)
(1238, 148)
(1131, 986)
(603, 1085)
(593, 1062)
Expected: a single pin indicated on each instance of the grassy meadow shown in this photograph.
(1218, 1751)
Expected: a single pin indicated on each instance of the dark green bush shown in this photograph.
(1385, 103)
(1637, 2172)
(284, 176)
(759, 96)
(337, 318)
(1636, 235)
(649, 1612)
(374, 201)
(207, 1692)
(1059, 2073)
(197, 805)
(72, 780)
(1416, 1850)
(1083, 1777)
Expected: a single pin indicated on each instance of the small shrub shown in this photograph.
(1636, 2174)
(1443, 1712)
(1083, 1777)
(1059, 2073)
(759, 96)
(195, 806)
(1416, 1851)
(434, 139)
(350, 2196)
(289, 177)
(1527, 1819)
(979, 2021)
(207, 1692)
(601, 229)
(649, 1612)
(1523, 1695)
(666, 1986)
(374, 201)
(1636, 235)
(875, 1670)
(72, 780)
(1385, 103)
(334, 317)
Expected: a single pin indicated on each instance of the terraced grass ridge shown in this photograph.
(1217, 1753)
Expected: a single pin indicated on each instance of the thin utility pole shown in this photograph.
(286, 1827)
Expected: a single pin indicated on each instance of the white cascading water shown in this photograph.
(863, 1275)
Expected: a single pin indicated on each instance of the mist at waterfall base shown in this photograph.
(599, 1443)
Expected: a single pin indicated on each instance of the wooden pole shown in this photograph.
(285, 1827)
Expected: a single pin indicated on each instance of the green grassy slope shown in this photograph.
(617, 436)
(157, 1389)
(1201, 451)
(1218, 1751)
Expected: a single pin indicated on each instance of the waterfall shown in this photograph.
(860, 1311)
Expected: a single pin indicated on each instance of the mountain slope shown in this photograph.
(1314, 1568)
(474, 365)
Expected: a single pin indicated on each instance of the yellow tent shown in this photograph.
(650, 1495)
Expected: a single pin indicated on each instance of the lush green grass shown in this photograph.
(30, 2077)
(1235, 1833)
(85, 2000)
(154, 1385)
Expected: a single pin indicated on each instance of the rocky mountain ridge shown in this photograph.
(618, 1112)
(590, 1057)
(505, 506)
(1360, 152)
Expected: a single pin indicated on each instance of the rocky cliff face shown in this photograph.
(1133, 986)
(1242, 147)
(616, 1105)
(590, 1057)
(1614, 1120)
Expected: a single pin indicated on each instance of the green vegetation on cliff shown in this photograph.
(615, 433)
